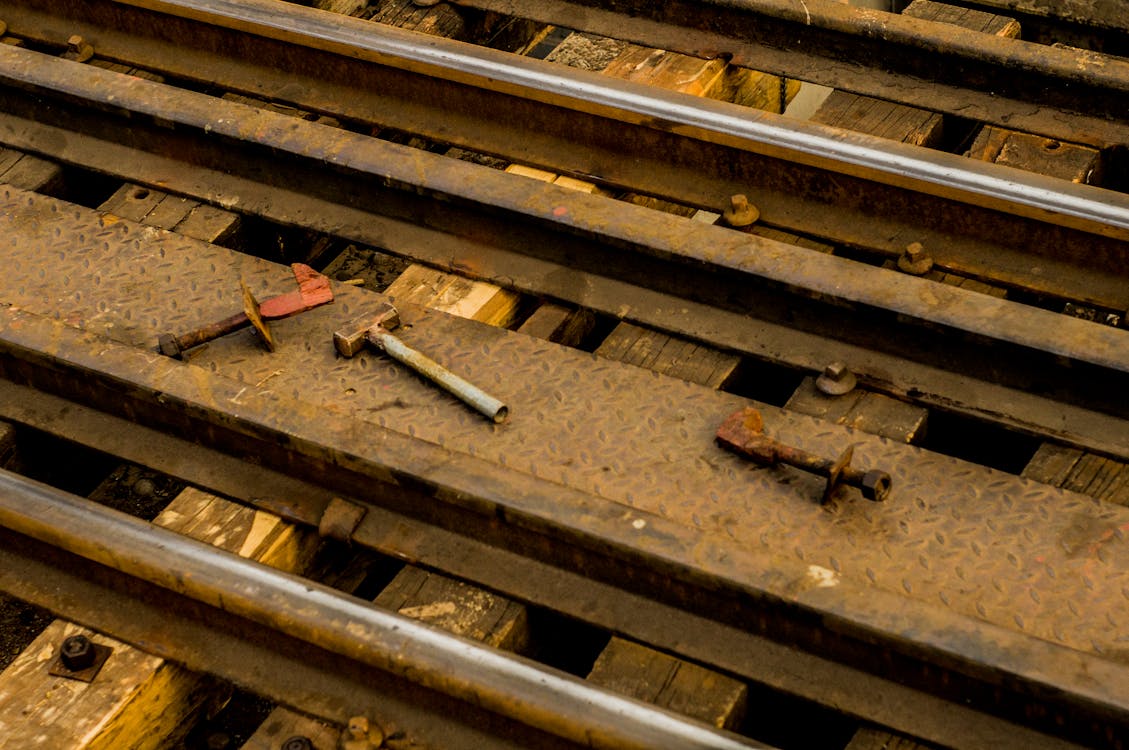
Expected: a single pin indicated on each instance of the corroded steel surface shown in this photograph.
(986, 544)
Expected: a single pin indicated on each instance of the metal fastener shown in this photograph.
(740, 213)
(79, 658)
(361, 734)
(743, 433)
(298, 742)
(836, 380)
(77, 653)
(915, 260)
(78, 50)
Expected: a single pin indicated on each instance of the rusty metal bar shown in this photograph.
(467, 217)
(981, 220)
(1074, 95)
(1007, 669)
(532, 699)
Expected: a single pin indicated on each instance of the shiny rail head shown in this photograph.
(352, 337)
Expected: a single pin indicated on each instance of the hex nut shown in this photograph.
(876, 485)
(298, 742)
(740, 213)
(77, 653)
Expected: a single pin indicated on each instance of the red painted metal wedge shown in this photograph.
(313, 290)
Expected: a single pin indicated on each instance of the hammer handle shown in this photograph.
(469, 394)
(213, 331)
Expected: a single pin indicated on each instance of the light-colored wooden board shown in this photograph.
(137, 701)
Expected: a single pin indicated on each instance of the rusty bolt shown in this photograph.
(78, 50)
(740, 213)
(77, 653)
(298, 742)
(836, 379)
(915, 260)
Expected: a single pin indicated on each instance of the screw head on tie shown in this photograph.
(914, 260)
(297, 742)
(77, 653)
(740, 213)
(836, 380)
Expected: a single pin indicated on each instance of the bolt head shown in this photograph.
(77, 653)
(914, 260)
(740, 212)
(298, 742)
(876, 485)
(836, 380)
(74, 42)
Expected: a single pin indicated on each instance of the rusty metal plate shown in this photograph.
(985, 544)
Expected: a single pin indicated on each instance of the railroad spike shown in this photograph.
(313, 291)
(743, 433)
(375, 329)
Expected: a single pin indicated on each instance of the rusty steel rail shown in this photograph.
(313, 647)
(782, 667)
(1070, 94)
(985, 221)
(905, 335)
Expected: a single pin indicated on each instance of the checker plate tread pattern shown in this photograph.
(1032, 558)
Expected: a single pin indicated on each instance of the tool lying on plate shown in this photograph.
(374, 329)
(313, 290)
(743, 433)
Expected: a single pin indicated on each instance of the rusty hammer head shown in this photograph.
(352, 338)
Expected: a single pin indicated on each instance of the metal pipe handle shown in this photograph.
(467, 392)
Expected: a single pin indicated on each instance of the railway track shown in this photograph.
(622, 306)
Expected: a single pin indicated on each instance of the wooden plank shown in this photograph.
(559, 324)
(29, 172)
(458, 608)
(283, 724)
(477, 300)
(878, 739)
(672, 356)
(1072, 469)
(666, 681)
(862, 410)
(1067, 161)
(138, 700)
(211, 224)
(896, 121)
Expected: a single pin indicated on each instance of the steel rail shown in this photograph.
(981, 220)
(959, 657)
(886, 702)
(290, 608)
(1070, 94)
(476, 218)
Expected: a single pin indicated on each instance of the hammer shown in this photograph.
(374, 329)
(313, 290)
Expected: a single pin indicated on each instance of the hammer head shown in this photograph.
(351, 339)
